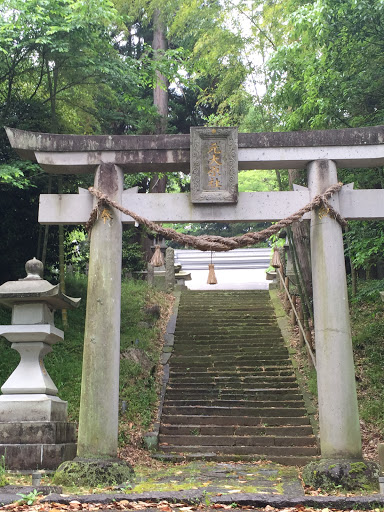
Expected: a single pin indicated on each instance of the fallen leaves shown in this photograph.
(162, 506)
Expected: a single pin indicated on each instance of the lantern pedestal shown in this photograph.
(34, 430)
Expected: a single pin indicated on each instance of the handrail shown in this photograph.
(309, 348)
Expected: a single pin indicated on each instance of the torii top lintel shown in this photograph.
(77, 154)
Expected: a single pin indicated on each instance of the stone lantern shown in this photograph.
(34, 431)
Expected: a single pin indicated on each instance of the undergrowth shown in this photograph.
(138, 385)
(367, 322)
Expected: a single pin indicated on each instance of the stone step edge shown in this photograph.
(286, 460)
(278, 440)
(247, 450)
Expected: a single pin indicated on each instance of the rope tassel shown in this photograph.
(276, 262)
(157, 258)
(211, 274)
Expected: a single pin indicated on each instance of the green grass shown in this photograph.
(64, 363)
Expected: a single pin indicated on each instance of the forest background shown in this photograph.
(147, 67)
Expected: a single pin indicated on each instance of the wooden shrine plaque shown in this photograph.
(214, 165)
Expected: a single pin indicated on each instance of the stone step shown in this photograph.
(210, 301)
(253, 343)
(246, 340)
(290, 460)
(274, 338)
(236, 358)
(259, 421)
(235, 440)
(242, 323)
(214, 329)
(229, 380)
(230, 430)
(181, 365)
(247, 369)
(232, 393)
(272, 396)
(234, 348)
(243, 450)
(267, 373)
(222, 314)
(235, 411)
(213, 339)
(207, 402)
(259, 386)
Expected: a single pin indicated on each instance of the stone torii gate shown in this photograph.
(108, 157)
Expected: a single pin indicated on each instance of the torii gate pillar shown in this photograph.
(98, 422)
(338, 413)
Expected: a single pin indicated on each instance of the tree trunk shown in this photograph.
(300, 232)
(160, 93)
(46, 228)
(64, 316)
(158, 183)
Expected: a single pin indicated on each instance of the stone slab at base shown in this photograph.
(93, 472)
(349, 475)
(33, 407)
(37, 456)
(38, 432)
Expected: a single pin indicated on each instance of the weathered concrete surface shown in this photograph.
(31, 141)
(360, 147)
(37, 456)
(46, 333)
(251, 206)
(338, 412)
(23, 291)
(150, 275)
(169, 269)
(32, 407)
(30, 375)
(33, 313)
(98, 421)
(48, 432)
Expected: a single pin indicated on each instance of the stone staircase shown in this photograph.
(232, 392)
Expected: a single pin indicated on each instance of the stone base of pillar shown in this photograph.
(34, 431)
(341, 474)
(29, 445)
(94, 472)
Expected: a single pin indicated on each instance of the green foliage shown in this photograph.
(64, 363)
(133, 259)
(367, 315)
(368, 291)
(325, 67)
(3, 471)
(257, 181)
(30, 498)
(76, 247)
(365, 243)
(137, 384)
